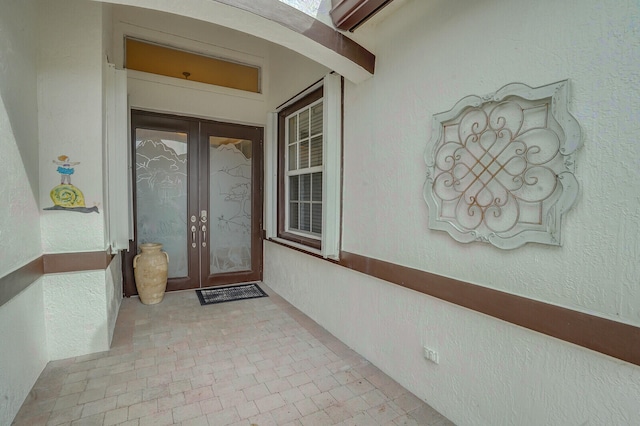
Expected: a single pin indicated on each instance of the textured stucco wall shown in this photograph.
(23, 353)
(50, 82)
(18, 57)
(19, 215)
(430, 55)
(70, 119)
(289, 74)
(490, 372)
(23, 350)
(113, 296)
(76, 313)
(80, 308)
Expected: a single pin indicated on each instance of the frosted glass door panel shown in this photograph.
(230, 204)
(161, 189)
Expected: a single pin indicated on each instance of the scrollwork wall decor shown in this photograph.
(500, 168)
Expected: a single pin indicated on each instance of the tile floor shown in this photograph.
(254, 362)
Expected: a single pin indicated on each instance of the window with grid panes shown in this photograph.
(309, 155)
(301, 152)
(304, 170)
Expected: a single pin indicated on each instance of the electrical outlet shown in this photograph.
(431, 355)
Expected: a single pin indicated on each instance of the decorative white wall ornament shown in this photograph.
(500, 168)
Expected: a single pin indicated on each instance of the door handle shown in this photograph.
(204, 235)
(193, 236)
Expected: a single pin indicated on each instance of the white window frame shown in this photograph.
(331, 173)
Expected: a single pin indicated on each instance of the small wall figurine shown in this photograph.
(66, 196)
(65, 169)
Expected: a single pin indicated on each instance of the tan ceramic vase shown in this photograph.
(150, 270)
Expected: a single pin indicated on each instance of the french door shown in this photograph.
(197, 191)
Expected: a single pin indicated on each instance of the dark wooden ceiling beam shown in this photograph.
(347, 15)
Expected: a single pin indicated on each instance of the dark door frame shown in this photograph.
(196, 126)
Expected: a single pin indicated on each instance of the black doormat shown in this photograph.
(210, 296)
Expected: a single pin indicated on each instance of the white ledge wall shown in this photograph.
(76, 314)
(80, 306)
(70, 119)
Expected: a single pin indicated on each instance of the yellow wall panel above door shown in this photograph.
(162, 60)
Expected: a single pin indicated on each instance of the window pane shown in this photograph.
(292, 156)
(162, 205)
(305, 216)
(316, 151)
(305, 187)
(293, 188)
(293, 216)
(316, 119)
(316, 218)
(302, 175)
(316, 187)
(304, 125)
(304, 155)
(293, 131)
(229, 236)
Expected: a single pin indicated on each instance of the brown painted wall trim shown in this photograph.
(609, 337)
(15, 282)
(292, 18)
(76, 262)
(347, 15)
